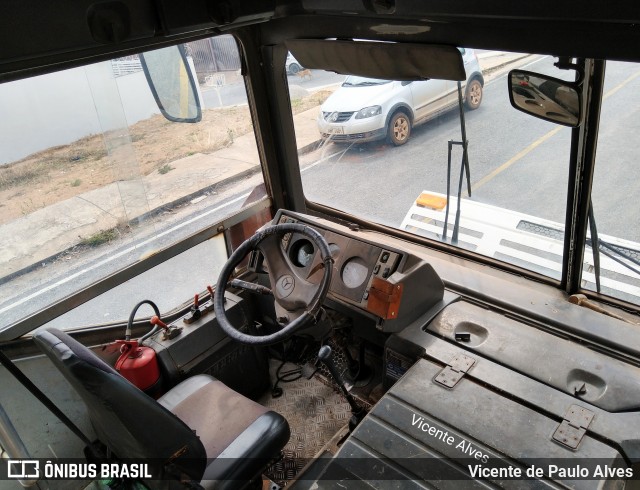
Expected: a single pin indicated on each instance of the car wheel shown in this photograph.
(474, 94)
(399, 128)
(294, 68)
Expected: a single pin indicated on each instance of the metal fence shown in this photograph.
(210, 56)
(213, 55)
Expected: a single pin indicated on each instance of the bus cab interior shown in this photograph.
(439, 311)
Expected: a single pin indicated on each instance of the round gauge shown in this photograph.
(301, 253)
(354, 272)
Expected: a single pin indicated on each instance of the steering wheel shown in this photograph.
(296, 299)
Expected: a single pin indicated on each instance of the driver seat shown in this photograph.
(199, 431)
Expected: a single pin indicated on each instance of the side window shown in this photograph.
(93, 178)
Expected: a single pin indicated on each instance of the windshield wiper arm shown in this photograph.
(607, 245)
(613, 257)
(597, 250)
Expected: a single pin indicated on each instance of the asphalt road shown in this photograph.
(517, 162)
(391, 178)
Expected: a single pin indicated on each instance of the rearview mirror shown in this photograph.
(172, 83)
(545, 97)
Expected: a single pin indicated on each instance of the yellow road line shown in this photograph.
(540, 140)
(620, 85)
(515, 158)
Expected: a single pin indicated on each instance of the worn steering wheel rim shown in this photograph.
(241, 252)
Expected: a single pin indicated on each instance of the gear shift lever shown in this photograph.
(324, 356)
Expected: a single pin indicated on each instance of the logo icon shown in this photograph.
(287, 283)
(23, 468)
(285, 286)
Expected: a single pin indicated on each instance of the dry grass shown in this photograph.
(59, 173)
(309, 102)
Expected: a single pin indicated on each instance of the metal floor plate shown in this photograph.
(315, 412)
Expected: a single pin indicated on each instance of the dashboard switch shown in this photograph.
(376, 269)
(386, 272)
(195, 311)
(384, 257)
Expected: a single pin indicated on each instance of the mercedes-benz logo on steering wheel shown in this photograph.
(285, 285)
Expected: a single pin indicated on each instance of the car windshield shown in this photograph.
(505, 199)
(354, 81)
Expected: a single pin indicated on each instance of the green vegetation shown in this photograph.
(166, 168)
(104, 236)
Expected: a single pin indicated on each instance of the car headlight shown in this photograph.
(371, 111)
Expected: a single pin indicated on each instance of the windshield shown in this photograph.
(399, 159)
(354, 81)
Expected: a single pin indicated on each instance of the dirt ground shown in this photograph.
(61, 172)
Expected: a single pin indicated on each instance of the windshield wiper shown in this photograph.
(596, 249)
(600, 244)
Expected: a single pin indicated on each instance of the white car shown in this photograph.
(292, 65)
(367, 109)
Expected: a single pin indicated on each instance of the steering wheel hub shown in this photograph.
(296, 298)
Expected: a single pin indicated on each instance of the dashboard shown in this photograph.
(368, 273)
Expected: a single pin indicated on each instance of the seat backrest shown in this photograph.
(129, 422)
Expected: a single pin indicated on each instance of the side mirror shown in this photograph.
(545, 97)
(172, 83)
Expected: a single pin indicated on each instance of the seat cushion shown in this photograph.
(216, 413)
(243, 435)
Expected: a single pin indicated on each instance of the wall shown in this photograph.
(59, 108)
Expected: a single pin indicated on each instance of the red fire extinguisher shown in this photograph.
(139, 365)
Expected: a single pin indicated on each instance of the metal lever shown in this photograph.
(196, 313)
(324, 356)
(250, 286)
